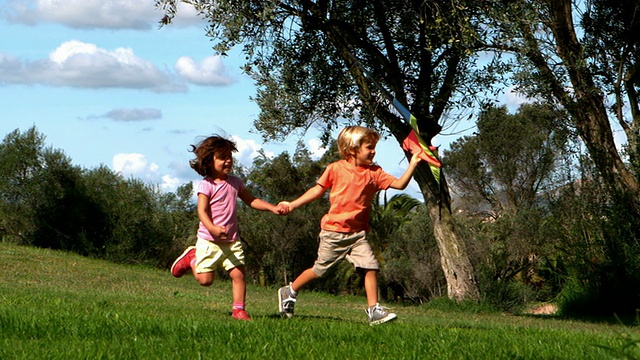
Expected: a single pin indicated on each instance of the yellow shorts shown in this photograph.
(210, 255)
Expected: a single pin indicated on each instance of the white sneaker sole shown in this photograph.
(388, 318)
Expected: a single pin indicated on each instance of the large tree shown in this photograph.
(582, 55)
(321, 62)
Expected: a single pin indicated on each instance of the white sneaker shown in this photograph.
(378, 315)
(286, 301)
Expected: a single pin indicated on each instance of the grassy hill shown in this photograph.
(56, 305)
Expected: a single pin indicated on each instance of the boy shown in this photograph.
(353, 181)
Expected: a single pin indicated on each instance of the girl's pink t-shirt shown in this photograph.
(352, 191)
(223, 197)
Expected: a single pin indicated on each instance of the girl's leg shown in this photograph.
(239, 286)
(204, 279)
(371, 286)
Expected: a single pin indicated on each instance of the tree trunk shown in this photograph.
(454, 259)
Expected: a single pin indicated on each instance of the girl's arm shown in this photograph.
(258, 204)
(204, 214)
(403, 181)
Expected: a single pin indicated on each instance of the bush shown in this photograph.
(411, 263)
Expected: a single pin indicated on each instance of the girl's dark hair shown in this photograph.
(206, 149)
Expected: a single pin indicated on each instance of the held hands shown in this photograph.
(284, 207)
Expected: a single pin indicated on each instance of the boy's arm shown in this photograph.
(403, 181)
(309, 196)
(256, 203)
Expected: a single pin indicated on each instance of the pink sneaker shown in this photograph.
(183, 262)
(240, 314)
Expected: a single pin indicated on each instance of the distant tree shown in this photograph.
(504, 174)
(509, 162)
(22, 159)
(40, 203)
(387, 215)
(411, 269)
(584, 57)
(65, 216)
(45, 201)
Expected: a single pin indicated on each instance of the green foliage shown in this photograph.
(47, 202)
(411, 267)
(583, 56)
(510, 160)
(20, 169)
(504, 173)
(387, 215)
(418, 51)
(600, 261)
(596, 252)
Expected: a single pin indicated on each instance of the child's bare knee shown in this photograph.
(205, 280)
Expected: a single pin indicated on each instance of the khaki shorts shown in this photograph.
(335, 247)
(210, 255)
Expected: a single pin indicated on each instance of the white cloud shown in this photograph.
(96, 14)
(134, 165)
(248, 150)
(210, 72)
(316, 149)
(513, 99)
(137, 166)
(170, 183)
(84, 65)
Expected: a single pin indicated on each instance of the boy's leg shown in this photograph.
(303, 279)
(371, 286)
(332, 249)
(377, 314)
(362, 257)
(287, 294)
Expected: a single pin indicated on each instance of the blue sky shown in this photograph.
(106, 86)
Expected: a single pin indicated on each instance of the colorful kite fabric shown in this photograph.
(415, 144)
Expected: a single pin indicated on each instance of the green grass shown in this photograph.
(56, 305)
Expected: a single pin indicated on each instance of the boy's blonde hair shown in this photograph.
(352, 137)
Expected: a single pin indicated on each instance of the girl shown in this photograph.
(218, 241)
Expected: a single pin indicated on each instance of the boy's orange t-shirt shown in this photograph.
(352, 191)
